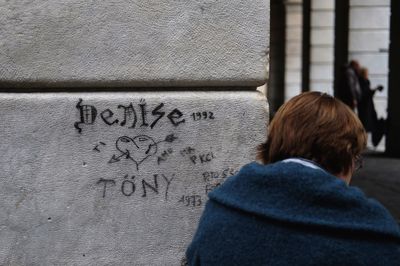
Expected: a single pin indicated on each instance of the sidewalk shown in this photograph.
(380, 179)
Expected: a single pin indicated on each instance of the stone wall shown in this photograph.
(116, 178)
(137, 43)
(109, 144)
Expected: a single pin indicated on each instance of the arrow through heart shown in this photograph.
(137, 149)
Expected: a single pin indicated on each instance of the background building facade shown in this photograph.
(320, 37)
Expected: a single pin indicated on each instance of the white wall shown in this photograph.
(322, 45)
(125, 43)
(83, 187)
(294, 22)
(90, 177)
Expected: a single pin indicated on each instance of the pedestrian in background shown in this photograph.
(349, 90)
(366, 108)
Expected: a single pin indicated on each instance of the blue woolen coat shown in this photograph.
(293, 213)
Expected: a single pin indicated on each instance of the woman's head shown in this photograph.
(364, 72)
(318, 127)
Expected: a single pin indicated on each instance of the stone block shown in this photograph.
(322, 36)
(293, 34)
(368, 40)
(378, 18)
(322, 18)
(323, 4)
(133, 43)
(294, 17)
(369, 3)
(116, 178)
(293, 48)
(293, 2)
(322, 72)
(322, 54)
(293, 63)
(293, 77)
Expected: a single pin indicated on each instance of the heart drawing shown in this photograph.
(137, 149)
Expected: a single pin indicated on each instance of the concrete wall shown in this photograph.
(133, 43)
(116, 177)
(83, 187)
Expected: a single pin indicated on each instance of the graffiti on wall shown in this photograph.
(127, 115)
(137, 149)
(128, 185)
(142, 143)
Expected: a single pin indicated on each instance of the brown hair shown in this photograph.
(364, 72)
(318, 127)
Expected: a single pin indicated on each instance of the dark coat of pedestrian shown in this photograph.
(366, 108)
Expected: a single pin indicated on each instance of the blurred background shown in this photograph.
(312, 41)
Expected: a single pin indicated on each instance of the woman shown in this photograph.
(366, 108)
(297, 208)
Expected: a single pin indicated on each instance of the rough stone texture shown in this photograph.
(95, 43)
(67, 193)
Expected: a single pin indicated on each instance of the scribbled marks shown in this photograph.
(105, 182)
(96, 147)
(197, 158)
(150, 187)
(138, 148)
(213, 179)
(164, 155)
(128, 187)
(87, 115)
(204, 115)
(130, 115)
(191, 200)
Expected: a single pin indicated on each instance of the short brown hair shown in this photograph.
(318, 127)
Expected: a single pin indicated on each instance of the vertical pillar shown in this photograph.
(341, 41)
(294, 22)
(305, 80)
(276, 81)
(322, 43)
(393, 125)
